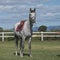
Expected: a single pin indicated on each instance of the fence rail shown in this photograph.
(35, 34)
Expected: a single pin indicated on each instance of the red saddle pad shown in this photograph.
(20, 26)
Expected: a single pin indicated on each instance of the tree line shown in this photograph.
(5, 30)
(40, 28)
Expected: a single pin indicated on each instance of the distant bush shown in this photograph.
(42, 28)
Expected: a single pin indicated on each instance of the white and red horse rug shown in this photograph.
(20, 25)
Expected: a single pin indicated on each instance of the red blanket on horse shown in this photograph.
(20, 26)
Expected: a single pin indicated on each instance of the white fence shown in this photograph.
(35, 34)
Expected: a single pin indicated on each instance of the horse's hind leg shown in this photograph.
(22, 46)
(16, 41)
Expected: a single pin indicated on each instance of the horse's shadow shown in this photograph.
(58, 55)
(24, 54)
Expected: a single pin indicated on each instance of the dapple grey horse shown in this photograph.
(25, 32)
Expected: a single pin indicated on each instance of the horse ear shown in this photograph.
(30, 9)
(34, 9)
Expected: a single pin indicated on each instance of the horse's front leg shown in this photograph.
(22, 46)
(29, 46)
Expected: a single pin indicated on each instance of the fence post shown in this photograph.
(2, 36)
(41, 36)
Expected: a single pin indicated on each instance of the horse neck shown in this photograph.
(30, 26)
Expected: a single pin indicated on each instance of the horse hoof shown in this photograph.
(21, 56)
(31, 56)
(15, 54)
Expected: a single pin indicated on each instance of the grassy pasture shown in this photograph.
(46, 50)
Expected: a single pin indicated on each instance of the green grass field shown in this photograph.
(46, 50)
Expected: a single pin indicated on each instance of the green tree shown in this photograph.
(42, 28)
(1, 29)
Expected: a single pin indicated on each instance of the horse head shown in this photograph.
(32, 15)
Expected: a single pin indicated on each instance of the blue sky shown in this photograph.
(12, 11)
